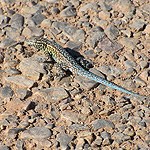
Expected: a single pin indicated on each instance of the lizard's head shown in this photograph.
(36, 42)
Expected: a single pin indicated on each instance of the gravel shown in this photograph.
(38, 111)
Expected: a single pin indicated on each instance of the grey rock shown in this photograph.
(36, 133)
(108, 46)
(46, 23)
(112, 32)
(53, 94)
(146, 8)
(143, 64)
(126, 7)
(35, 31)
(105, 135)
(1, 57)
(20, 81)
(69, 31)
(6, 42)
(17, 21)
(105, 6)
(20, 145)
(138, 24)
(101, 123)
(4, 20)
(68, 12)
(12, 33)
(12, 71)
(85, 83)
(79, 36)
(115, 117)
(7, 91)
(75, 2)
(129, 43)
(73, 45)
(64, 139)
(32, 68)
(130, 64)
(72, 116)
(38, 18)
(60, 26)
(96, 34)
(88, 6)
(12, 133)
(4, 147)
(23, 93)
(55, 10)
(78, 127)
(90, 53)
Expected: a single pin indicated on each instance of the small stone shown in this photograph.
(78, 127)
(12, 71)
(23, 93)
(80, 143)
(112, 32)
(129, 131)
(53, 94)
(72, 116)
(6, 43)
(32, 68)
(126, 7)
(130, 64)
(127, 33)
(4, 20)
(73, 45)
(90, 53)
(79, 36)
(104, 15)
(20, 145)
(101, 123)
(143, 64)
(147, 29)
(20, 81)
(38, 133)
(46, 23)
(68, 12)
(1, 57)
(12, 133)
(64, 139)
(38, 18)
(115, 117)
(145, 76)
(138, 24)
(17, 21)
(88, 6)
(129, 43)
(96, 34)
(85, 83)
(139, 81)
(69, 31)
(106, 142)
(108, 46)
(32, 31)
(55, 10)
(4, 147)
(105, 135)
(7, 92)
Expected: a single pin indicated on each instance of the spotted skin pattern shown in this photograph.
(65, 60)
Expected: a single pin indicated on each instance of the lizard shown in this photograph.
(66, 61)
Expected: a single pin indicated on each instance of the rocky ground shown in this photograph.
(39, 112)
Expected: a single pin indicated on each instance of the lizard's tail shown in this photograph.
(103, 81)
